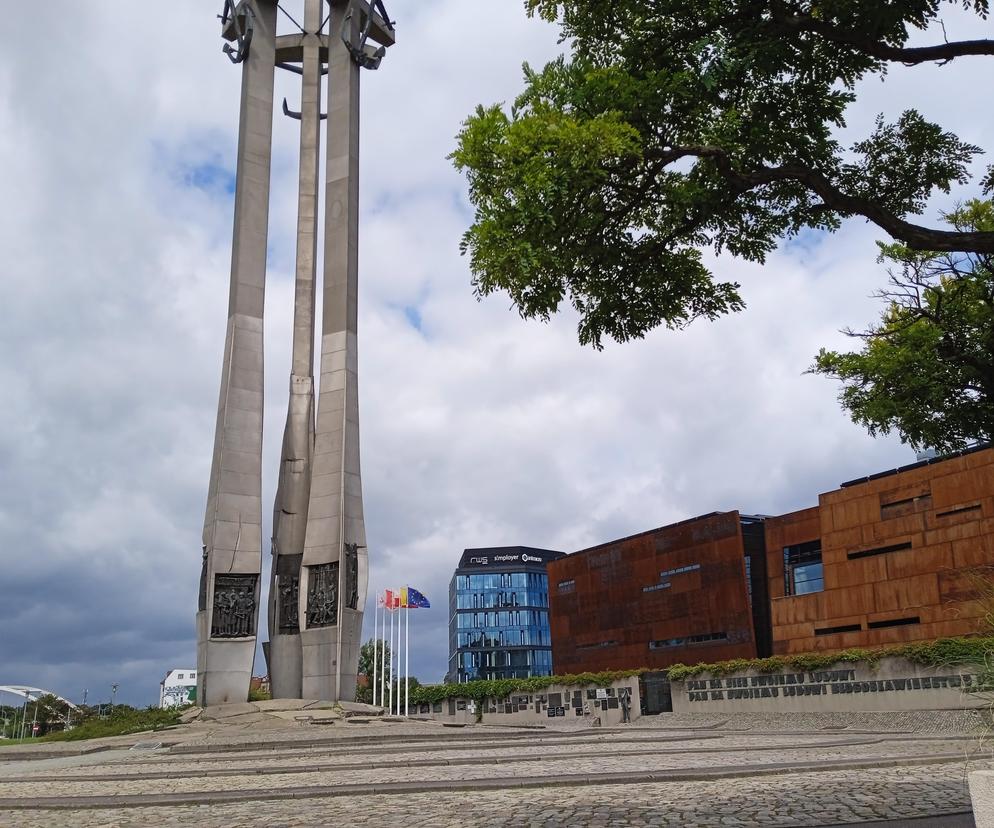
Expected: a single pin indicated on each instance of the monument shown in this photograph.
(318, 585)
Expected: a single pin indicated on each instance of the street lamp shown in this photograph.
(113, 693)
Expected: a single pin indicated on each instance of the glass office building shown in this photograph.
(499, 614)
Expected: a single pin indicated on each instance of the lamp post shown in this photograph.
(113, 693)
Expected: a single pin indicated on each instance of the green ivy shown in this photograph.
(502, 688)
(941, 653)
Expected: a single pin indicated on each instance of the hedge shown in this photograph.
(940, 653)
(502, 688)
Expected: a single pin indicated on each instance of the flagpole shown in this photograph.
(376, 618)
(396, 667)
(390, 674)
(383, 654)
(407, 657)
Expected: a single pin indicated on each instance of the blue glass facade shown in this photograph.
(499, 615)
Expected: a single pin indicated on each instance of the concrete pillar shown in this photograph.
(334, 574)
(227, 615)
(293, 489)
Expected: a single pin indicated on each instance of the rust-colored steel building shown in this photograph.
(881, 560)
(693, 591)
(885, 559)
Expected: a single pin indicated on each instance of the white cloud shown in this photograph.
(478, 428)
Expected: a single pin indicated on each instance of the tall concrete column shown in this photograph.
(293, 490)
(334, 574)
(229, 591)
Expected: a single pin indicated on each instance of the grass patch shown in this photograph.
(121, 722)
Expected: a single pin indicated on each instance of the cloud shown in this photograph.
(479, 428)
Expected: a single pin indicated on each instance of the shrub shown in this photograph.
(941, 653)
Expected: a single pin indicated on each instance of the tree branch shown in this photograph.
(874, 48)
(914, 236)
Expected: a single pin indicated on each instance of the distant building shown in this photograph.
(499, 614)
(890, 558)
(178, 688)
(885, 559)
(689, 592)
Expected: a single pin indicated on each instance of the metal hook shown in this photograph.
(297, 116)
(366, 56)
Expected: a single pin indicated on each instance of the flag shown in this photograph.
(415, 600)
(381, 599)
(403, 597)
(388, 599)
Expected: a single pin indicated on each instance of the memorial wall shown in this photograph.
(556, 704)
(893, 684)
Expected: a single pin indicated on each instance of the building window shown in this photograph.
(748, 567)
(567, 586)
(893, 622)
(879, 550)
(802, 569)
(679, 570)
(843, 628)
(600, 645)
(705, 638)
(656, 587)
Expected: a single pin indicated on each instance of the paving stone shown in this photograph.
(271, 758)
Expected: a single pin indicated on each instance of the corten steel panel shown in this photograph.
(607, 621)
(854, 573)
(945, 510)
(787, 530)
(973, 552)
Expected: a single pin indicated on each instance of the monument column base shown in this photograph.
(285, 667)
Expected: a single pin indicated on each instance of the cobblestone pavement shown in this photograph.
(908, 775)
(815, 799)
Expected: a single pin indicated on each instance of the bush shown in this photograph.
(941, 653)
(502, 688)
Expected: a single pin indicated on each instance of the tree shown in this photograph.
(674, 127)
(367, 666)
(927, 369)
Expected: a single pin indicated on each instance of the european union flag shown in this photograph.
(415, 600)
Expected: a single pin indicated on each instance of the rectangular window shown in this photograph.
(879, 550)
(842, 629)
(748, 569)
(893, 622)
(567, 586)
(656, 587)
(961, 511)
(598, 646)
(679, 570)
(690, 639)
(907, 506)
(802, 569)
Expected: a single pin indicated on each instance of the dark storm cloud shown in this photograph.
(478, 429)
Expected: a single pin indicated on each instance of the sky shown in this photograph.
(117, 145)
